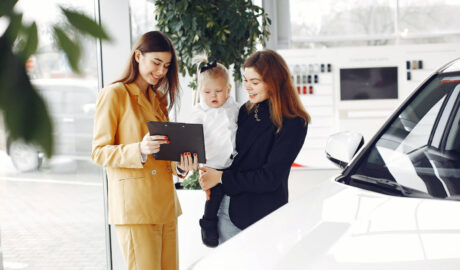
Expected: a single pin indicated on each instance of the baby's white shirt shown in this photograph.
(219, 127)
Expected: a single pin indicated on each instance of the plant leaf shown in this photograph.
(26, 116)
(84, 24)
(31, 43)
(13, 28)
(70, 48)
(6, 6)
(227, 30)
(191, 182)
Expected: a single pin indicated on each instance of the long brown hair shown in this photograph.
(155, 41)
(284, 99)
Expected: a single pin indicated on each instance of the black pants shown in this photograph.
(212, 205)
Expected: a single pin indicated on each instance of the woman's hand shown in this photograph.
(151, 144)
(187, 163)
(209, 178)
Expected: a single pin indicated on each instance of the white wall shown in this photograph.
(330, 114)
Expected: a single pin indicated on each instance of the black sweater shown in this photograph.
(257, 180)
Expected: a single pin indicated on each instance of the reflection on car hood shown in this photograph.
(335, 226)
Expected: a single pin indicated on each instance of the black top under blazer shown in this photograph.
(257, 180)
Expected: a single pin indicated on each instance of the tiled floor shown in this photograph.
(52, 220)
(52, 226)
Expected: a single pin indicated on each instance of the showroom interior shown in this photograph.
(53, 211)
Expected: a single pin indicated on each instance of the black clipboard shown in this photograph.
(183, 138)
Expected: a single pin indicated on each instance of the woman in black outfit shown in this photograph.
(272, 127)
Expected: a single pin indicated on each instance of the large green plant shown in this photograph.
(25, 113)
(225, 30)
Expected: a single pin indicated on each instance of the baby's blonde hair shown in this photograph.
(218, 71)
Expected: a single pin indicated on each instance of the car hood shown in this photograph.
(335, 226)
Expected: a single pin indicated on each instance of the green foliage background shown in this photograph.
(225, 30)
(192, 181)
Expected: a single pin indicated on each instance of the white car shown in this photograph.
(71, 104)
(394, 206)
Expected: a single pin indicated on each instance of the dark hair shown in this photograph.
(155, 41)
(284, 99)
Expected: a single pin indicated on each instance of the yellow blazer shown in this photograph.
(138, 193)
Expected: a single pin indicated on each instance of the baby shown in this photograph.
(218, 113)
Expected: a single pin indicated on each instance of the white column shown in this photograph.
(278, 12)
(1, 253)
(270, 8)
(283, 24)
(115, 17)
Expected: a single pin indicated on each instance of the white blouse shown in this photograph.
(219, 127)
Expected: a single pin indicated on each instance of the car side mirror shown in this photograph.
(342, 146)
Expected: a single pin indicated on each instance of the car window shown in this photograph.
(453, 137)
(410, 153)
(419, 132)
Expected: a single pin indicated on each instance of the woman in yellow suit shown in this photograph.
(143, 203)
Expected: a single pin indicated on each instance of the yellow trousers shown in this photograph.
(150, 246)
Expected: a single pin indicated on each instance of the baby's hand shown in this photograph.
(208, 194)
(209, 178)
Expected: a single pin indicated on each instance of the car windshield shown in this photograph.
(420, 149)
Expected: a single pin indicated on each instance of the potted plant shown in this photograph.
(225, 30)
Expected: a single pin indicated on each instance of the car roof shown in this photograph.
(453, 66)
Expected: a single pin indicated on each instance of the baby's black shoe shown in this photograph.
(209, 234)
